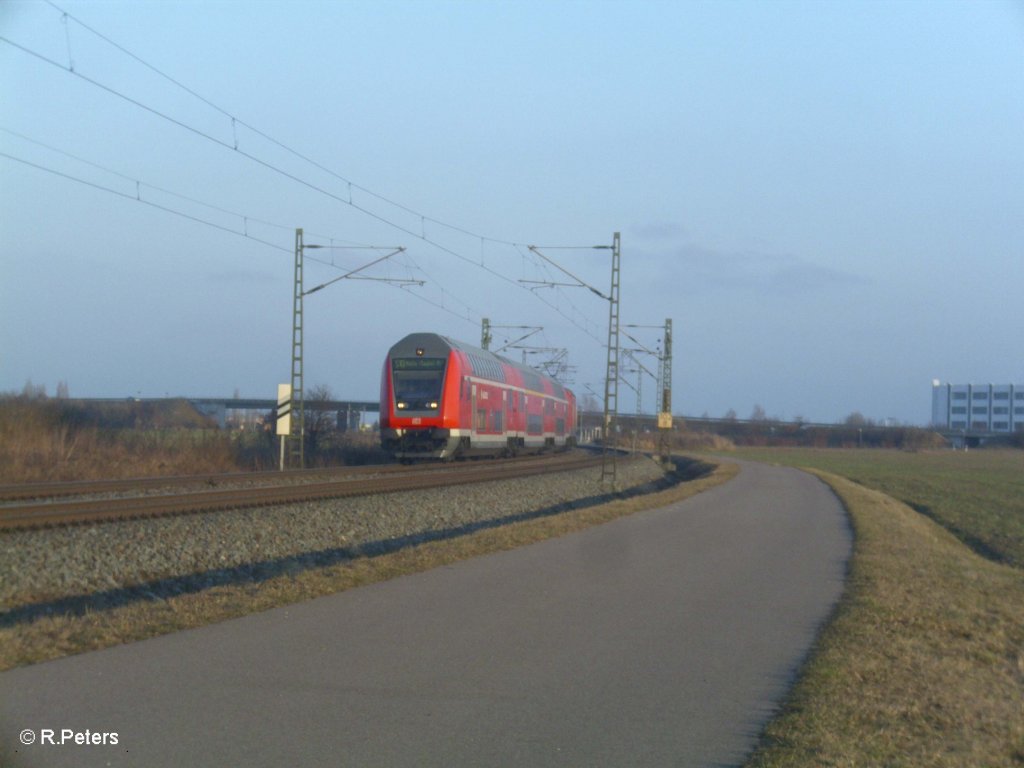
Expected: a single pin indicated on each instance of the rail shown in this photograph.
(63, 511)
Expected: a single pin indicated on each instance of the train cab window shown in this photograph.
(417, 383)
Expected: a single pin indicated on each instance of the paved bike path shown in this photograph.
(661, 639)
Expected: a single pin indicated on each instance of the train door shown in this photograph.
(474, 413)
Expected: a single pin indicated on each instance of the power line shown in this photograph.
(137, 199)
(237, 121)
(270, 166)
(140, 183)
(206, 222)
(234, 146)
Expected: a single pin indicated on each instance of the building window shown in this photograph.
(1000, 395)
(979, 410)
(960, 409)
(959, 425)
(1000, 409)
(1018, 411)
(1003, 426)
(981, 426)
(959, 395)
(1018, 395)
(980, 395)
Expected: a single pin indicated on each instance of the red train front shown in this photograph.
(441, 398)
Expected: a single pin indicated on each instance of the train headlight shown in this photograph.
(400, 406)
(433, 405)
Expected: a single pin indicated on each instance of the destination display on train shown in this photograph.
(418, 364)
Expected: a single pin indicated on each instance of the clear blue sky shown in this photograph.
(826, 198)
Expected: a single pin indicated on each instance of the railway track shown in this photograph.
(53, 490)
(259, 489)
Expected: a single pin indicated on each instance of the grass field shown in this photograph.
(923, 662)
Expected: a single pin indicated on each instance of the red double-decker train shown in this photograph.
(443, 399)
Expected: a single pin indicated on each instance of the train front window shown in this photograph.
(417, 382)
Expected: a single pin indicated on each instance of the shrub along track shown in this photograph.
(260, 489)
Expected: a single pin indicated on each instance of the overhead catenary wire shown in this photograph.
(236, 121)
(140, 183)
(167, 209)
(260, 161)
(233, 146)
(137, 199)
(421, 235)
(229, 230)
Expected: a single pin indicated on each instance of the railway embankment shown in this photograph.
(69, 590)
(75, 569)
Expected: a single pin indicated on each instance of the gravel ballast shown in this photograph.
(192, 551)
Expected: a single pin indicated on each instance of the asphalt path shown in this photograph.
(663, 639)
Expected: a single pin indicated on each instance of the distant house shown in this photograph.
(978, 408)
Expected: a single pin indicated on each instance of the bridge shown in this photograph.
(348, 411)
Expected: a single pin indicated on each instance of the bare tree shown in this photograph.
(33, 391)
(857, 419)
(320, 422)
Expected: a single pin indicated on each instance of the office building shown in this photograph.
(978, 408)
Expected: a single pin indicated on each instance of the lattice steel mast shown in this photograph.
(665, 415)
(609, 464)
(297, 435)
(297, 442)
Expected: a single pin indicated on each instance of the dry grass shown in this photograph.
(54, 440)
(923, 664)
(53, 637)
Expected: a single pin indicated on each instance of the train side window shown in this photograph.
(481, 420)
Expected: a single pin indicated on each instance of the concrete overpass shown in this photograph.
(348, 410)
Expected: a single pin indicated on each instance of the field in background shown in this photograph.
(923, 662)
